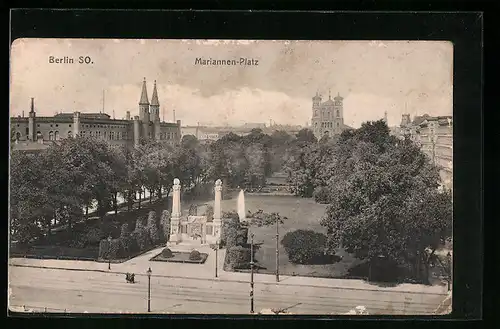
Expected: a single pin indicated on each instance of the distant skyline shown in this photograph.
(399, 77)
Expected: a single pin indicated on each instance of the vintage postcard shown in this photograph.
(231, 177)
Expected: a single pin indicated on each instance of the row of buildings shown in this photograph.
(35, 133)
(209, 134)
(434, 134)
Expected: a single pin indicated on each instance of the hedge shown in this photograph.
(229, 231)
(142, 237)
(242, 236)
(152, 227)
(239, 257)
(165, 224)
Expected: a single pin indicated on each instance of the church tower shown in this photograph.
(144, 110)
(338, 113)
(316, 114)
(155, 113)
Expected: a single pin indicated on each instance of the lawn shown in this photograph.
(302, 214)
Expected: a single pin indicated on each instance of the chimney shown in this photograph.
(128, 115)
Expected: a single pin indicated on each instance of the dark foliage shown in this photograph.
(304, 246)
(194, 255)
(167, 253)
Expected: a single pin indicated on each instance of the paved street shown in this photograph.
(189, 288)
(80, 291)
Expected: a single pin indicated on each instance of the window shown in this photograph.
(51, 135)
(117, 135)
(56, 135)
(18, 135)
(39, 135)
(18, 124)
(69, 133)
(338, 114)
(27, 131)
(57, 125)
(70, 125)
(38, 125)
(111, 135)
(51, 125)
(338, 124)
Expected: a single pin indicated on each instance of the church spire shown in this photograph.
(144, 94)
(154, 98)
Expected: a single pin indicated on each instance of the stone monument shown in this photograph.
(176, 212)
(217, 209)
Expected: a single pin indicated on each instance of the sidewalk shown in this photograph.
(206, 271)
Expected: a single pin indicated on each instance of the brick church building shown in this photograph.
(34, 133)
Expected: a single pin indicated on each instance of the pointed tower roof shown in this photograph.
(144, 94)
(154, 98)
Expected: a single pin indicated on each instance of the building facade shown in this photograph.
(327, 117)
(435, 137)
(33, 132)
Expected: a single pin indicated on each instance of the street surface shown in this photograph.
(190, 288)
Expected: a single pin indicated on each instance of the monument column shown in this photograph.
(175, 234)
(217, 209)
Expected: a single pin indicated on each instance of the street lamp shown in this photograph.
(216, 256)
(148, 272)
(450, 269)
(277, 251)
(109, 252)
(251, 274)
(216, 248)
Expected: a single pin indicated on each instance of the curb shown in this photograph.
(227, 280)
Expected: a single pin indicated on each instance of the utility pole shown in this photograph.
(251, 274)
(277, 251)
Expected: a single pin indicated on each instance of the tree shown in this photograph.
(384, 200)
(306, 135)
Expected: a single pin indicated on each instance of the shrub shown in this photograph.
(139, 223)
(242, 236)
(193, 210)
(115, 249)
(321, 195)
(209, 212)
(303, 246)
(229, 231)
(124, 231)
(239, 257)
(94, 235)
(194, 255)
(104, 249)
(152, 227)
(142, 238)
(167, 253)
(165, 224)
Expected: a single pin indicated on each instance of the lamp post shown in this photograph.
(216, 248)
(450, 270)
(251, 274)
(277, 251)
(109, 252)
(148, 272)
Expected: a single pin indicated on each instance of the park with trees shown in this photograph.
(373, 195)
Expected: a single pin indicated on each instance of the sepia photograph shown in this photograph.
(278, 177)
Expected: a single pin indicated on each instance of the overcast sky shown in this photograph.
(372, 76)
